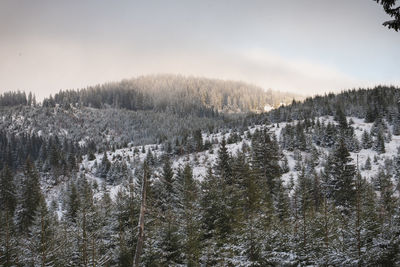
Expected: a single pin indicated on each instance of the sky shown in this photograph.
(302, 46)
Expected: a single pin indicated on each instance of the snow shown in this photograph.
(201, 161)
(268, 108)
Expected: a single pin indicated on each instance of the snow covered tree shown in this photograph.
(366, 141)
(169, 243)
(8, 194)
(8, 202)
(393, 11)
(29, 198)
(285, 165)
(265, 158)
(341, 173)
(210, 203)
(190, 215)
(72, 202)
(104, 166)
(379, 144)
(41, 247)
(367, 165)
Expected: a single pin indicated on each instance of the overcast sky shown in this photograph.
(303, 46)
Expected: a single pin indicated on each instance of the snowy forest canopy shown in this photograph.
(311, 183)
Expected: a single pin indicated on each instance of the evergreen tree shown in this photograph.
(8, 202)
(170, 241)
(104, 166)
(30, 197)
(40, 247)
(265, 158)
(379, 145)
(191, 218)
(393, 11)
(8, 196)
(73, 202)
(367, 165)
(341, 174)
(303, 193)
(210, 203)
(223, 167)
(386, 190)
(198, 139)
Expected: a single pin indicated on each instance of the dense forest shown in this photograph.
(177, 93)
(381, 101)
(315, 182)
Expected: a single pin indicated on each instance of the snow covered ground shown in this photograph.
(200, 161)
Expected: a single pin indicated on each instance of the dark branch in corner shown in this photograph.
(388, 6)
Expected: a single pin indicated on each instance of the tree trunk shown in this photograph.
(139, 245)
(326, 223)
(84, 236)
(358, 226)
(42, 240)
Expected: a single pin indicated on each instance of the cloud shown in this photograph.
(45, 66)
(295, 75)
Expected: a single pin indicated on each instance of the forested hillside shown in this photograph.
(381, 101)
(312, 183)
(176, 93)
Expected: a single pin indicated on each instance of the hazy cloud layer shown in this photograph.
(306, 46)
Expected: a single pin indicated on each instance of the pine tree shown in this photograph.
(190, 217)
(170, 240)
(386, 190)
(104, 166)
(30, 197)
(8, 202)
(317, 195)
(41, 244)
(8, 197)
(123, 229)
(379, 145)
(366, 142)
(285, 165)
(396, 122)
(265, 158)
(9, 245)
(90, 230)
(341, 118)
(198, 139)
(393, 11)
(341, 174)
(367, 165)
(210, 203)
(304, 200)
(223, 167)
(144, 193)
(253, 212)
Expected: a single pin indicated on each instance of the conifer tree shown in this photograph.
(265, 158)
(104, 166)
(367, 165)
(341, 173)
(73, 202)
(223, 167)
(122, 253)
(393, 11)
(8, 202)
(210, 203)
(8, 196)
(41, 246)
(190, 218)
(30, 197)
(170, 240)
(379, 145)
(304, 200)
